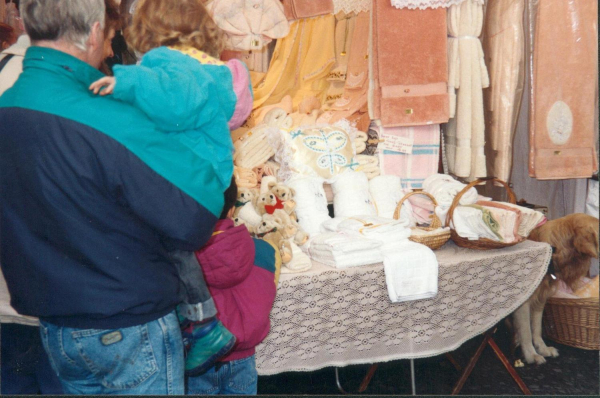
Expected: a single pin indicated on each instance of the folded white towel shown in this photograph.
(468, 223)
(444, 188)
(300, 261)
(387, 192)
(351, 195)
(342, 250)
(311, 204)
(382, 229)
(411, 272)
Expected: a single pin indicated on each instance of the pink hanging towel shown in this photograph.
(422, 160)
(409, 66)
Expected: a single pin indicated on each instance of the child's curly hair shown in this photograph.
(159, 23)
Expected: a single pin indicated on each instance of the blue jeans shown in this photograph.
(24, 363)
(226, 378)
(139, 360)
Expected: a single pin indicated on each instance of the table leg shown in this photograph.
(363, 385)
(509, 367)
(453, 362)
(412, 377)
(465, 375)
(368, 377)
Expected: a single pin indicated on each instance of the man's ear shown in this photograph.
(96, 36)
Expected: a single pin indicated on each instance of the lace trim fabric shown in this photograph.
(348, 6)
(337, 317)
(424, 4)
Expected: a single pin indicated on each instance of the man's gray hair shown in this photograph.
(69, 20)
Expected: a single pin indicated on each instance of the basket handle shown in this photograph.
(435, 220)
(511, 195)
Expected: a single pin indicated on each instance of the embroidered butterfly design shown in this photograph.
(328, 145)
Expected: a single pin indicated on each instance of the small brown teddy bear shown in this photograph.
(244, 196)
(286, 195)
(270, 231)
(267, 203)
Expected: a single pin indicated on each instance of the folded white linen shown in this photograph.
(378, 228)
(411, 272)
(387, 192)
(444, 188)
(342, 250)
(311, 204)
(351, 195)
(529, 219)
(468, 223)
(300, 261)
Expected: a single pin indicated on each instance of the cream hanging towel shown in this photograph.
(467, 76)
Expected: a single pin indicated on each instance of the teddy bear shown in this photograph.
(244, 196)
(268, 203)
(285, 195)
(270, 230)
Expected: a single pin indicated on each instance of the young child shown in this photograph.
(241, 273)
(194, 97)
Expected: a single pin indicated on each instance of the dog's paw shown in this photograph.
(553, 352)
(547, 351)
(535, 358)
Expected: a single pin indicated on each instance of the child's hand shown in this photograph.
(108, 82)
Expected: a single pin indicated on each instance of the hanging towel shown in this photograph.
(422, 160)
(565, 80)
(351, 195)
(411, 272)
(300, 63)
(297, 9)
(465, 133)
(409, 66)
(503, 46)
(311, 204)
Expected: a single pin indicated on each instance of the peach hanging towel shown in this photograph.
(564, 82)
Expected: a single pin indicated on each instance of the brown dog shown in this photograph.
(575, 238)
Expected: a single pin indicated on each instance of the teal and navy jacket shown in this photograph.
(188, 96)
(93, 196)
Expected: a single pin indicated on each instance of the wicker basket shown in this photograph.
(573, 322)
(483, 243)
(433, 241)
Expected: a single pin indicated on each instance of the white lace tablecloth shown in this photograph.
(330, 317)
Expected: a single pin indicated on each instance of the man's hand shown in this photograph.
(104, 86)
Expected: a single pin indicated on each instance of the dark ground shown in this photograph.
(574, 372)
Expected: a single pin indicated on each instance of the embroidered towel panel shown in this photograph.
(296, 9)
(422, 162)
(564, 82)
(411, 66)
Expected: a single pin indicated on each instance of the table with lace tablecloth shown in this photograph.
(337, 317)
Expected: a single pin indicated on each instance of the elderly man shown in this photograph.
(92, 200)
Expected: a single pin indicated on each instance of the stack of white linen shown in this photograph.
(387, 192)
(529, 219)
(444, 188)
(311, 204)
(351, 195)
(411, 272)
(344, 250)
(411, 269)
(468, 223)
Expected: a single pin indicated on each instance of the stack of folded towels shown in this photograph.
(497, 221)
(411, 269)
